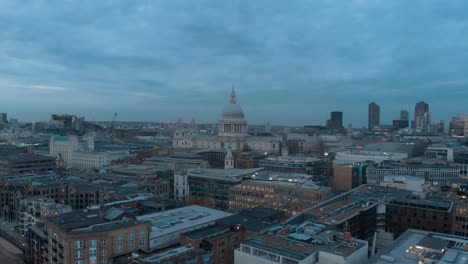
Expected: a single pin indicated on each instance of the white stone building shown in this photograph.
(81, 154)
(232, 134)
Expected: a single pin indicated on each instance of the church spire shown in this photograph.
(233, 96)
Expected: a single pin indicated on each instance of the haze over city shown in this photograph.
(291, 63)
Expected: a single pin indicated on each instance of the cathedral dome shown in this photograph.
(233, 110)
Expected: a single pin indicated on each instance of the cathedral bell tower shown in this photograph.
(229, 161)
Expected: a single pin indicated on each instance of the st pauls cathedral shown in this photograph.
(232, 134)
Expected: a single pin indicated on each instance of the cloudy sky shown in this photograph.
(292, 61)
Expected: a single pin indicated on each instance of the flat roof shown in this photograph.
(164, 255)
(222, 174)
(293, 159)
(83, 221)
(175, 220)
(211, 231)
(413, 243)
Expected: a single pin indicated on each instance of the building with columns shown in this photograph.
(232, 134)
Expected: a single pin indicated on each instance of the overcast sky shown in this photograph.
(292, 62)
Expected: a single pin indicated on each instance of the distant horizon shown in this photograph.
(204, 122)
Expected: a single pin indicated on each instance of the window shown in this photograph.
(103, 243)
(131, 240)
(79, 262)
(92, 253)
(78, 254)
(79, 244)
(119, 244)
(93, 243)
(142, 237)
(103, 251)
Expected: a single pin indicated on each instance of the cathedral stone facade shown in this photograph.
(232, 134)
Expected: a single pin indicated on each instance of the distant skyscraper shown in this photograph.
(404, 115)
(268, 128)
(3, 118)
(422, 118)
(335, 121)
(459, 125)
(374, 115)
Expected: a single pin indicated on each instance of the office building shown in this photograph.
(293, 164)
(374, 115)
(349, 176)
(26, 163)
(290, 193)
(440, 152)
(303, 143)
(382, 211)
(360, 156)
(404, 115)
(400, 124)
(210, 187)
(3, 118)
(336, 121)
(82, 154)
(423, 247)
(302, 244)
(435, 174)
(422, 119)
(459, 126)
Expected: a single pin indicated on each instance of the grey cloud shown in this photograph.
(157, 60)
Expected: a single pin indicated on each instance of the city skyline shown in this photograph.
(158, 61)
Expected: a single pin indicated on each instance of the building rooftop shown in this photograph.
(176, 159)
(27, 157)
(84, 221)
(421, 247)
(255, 219)
(388, 154)
(300, 241)
(221, 174)
(292, 159)
(344, 206)
(175, 220)
(162, 257)
(208, 232)
(133, 169)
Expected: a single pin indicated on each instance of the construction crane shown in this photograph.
(111, 128)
